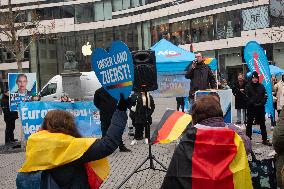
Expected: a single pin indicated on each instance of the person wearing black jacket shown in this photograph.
(200, 75)
(9, 118)
(256, 96)
(240, 99)
(107, 106)
(141, 114)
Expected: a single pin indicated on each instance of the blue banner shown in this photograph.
(86, 116)
(257, 61)
(114, 69)
(21, 87)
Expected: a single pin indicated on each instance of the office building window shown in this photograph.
(126, 4)
(180, 33)
(202, 29)
(84, 13)
(51, 13)
(39, 13)
(99, 10)
(107, 10)
(227, 25)
(68, 11)
(116, 5)
(65, 42)
(135, 3)
(276, 13)
(128, 34)
(104, 38)
(82, 38)
(21, 17)
(160, 30)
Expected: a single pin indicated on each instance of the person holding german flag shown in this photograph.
(57, 157)
(210, 154)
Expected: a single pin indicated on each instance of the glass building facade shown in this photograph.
(48, 52)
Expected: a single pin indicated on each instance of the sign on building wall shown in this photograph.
(255, 18)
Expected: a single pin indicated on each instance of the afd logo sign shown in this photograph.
(168, 53)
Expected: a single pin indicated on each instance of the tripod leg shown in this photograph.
(164, 167)
(133, 172)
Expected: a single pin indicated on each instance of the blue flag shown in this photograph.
(257, 61)
(86, 116)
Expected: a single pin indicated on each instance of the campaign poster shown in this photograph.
(114, 69)
(172, 86)
(225, 101)
(86, 116)
(21, 87)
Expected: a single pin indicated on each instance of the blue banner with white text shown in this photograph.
(86, 116)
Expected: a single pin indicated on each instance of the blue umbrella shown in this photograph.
(274, 70)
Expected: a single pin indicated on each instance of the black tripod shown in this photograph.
(150, 157)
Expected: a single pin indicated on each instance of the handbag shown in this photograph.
(263, 173)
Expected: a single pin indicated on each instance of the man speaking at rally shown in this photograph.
(200, 75)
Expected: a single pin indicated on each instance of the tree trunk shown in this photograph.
(14, 38)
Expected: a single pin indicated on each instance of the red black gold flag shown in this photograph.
(47, 150)
(209, 157)
(171, 126)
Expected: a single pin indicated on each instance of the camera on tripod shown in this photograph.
(145, 72)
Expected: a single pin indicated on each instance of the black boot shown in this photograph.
(267, 143)
(122, 148)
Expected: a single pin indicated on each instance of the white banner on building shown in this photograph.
(255, 18)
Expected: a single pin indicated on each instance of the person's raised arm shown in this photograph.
(107, 145)
(190, 71)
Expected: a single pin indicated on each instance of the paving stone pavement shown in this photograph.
(122, 164)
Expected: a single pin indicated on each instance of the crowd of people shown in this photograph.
(77, 154)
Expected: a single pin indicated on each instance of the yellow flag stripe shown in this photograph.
(240, 167)
(178, 129)
(208, 60)
(101, 168)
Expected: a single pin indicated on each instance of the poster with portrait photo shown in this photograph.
(21, 87)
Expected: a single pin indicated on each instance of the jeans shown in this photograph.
(239, 115)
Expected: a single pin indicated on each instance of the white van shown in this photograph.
(53, 90)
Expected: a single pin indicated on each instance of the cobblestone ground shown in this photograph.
(122, 164)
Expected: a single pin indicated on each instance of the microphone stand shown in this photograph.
(150, 156)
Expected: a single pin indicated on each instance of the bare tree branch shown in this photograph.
(11, 50)
(12, 26)
(28, 45)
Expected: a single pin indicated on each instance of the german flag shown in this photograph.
(209, 158)
(171, 126)
(47, 150)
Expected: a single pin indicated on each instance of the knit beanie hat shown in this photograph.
(254, 75)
